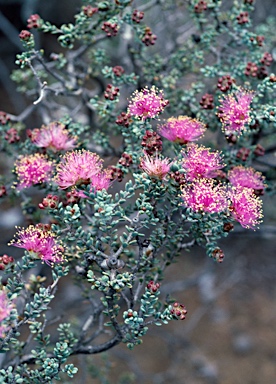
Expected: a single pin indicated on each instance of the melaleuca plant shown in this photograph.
(182, 126)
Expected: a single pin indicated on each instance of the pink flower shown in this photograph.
(53, 136)
(100, 181)
(246, 207)
(182, 129)
(147, 103)
(3, 330)
(199, 161)
(5, 310)
(155, 166)
(246, 177)
(77, 168)
(33, 169)
(234, 111)
(203, 195)
(39, 242)
(5, 306)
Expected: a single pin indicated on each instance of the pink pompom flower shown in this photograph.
(100, 181)
(78, 168)
(39, 242)
(245, 207)
(203, 195)
(155, 167)
(182, 129)
(247, 177)
(6, 307)
(54, 137)
(200, 162)
(147, 103)
(234, 112)
(32, 170)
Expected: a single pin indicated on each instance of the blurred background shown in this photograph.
(229, 334)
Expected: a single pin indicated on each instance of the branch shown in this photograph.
(52, 73)
(81, 51)
(23, 115)
(89, 350)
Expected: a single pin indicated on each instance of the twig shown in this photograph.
(41, 85)
(52, 73)
(23, 115)
(80, 51)
(89, 350)
(42, 89)
(186, 245)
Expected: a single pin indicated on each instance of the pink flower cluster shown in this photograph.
(202, 193)
(234, 112)
(82, 168)
(200, 162)
(5, 310)
(155, 167)
(32, 170)
(40, 242)
(247, 177)
(205, 195)
(147, 103)
(53, 136)
(182, 129)
(245, 207)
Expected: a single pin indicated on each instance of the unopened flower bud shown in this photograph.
(25, 35)
(179, 311)
(152, 286)
(218, 255)
(34, 21)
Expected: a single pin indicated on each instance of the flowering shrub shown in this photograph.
(182, 126)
